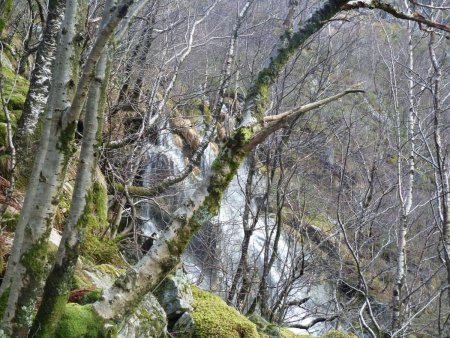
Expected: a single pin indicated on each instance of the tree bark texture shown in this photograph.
(40, 81)
(37, 214)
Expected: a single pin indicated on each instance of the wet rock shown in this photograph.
(175, 296)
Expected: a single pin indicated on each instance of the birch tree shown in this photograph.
(40, 80)
(25, 274)
(26, 271)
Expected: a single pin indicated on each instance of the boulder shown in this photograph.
(175, 295)
(148, 321)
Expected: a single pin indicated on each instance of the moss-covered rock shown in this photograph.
(15, 89)
(265, 328)
(338, 334)
(9, 220)
(212, 317)
(80, 321)
(286, 333)
(5, 10)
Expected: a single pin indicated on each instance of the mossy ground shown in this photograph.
(214, 318)
(15, 90)
(80, 321)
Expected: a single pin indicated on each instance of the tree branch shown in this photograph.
(376, 4)
(314, 322)
(275, 122)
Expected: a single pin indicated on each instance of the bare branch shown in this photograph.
(376, 4)
(285, 119)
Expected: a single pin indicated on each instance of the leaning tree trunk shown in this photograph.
(41, 78)
(204, 204)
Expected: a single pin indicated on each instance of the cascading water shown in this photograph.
(164, 158)
(167, 158)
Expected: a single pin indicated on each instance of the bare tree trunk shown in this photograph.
(59, 281)
(41, 78)
(248, 231)
(406, 197)
(46, 183)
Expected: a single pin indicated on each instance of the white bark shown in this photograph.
(41, 77)
(37, 212)
(405, 192)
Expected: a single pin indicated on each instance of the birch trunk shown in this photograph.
(406, 197)
(59, 282)
(41, 78)
(37, 214)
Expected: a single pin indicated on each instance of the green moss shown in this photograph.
(35, 258)
(15, 88)
(94, 220)
(100, 251)
(80, 280)
(4, 301)
(91, 296)
(9, 220)
(319, 221)
(80, 321)
(110, 270)
(214, 318)
(17, 85)
(66, 141)
(5, 11)
(286, 333)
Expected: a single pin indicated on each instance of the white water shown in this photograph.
(167, 153)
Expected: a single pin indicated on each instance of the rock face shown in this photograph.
(149, 320)
(184, 326)
(175, 296)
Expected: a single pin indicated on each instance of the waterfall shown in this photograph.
(165, 158)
